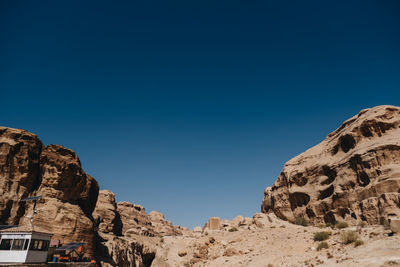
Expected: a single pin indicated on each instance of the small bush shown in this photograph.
(348, 237)
(301, 221)
(330, 225)
(341, 225)
(322, 245)
(270, 265)
(358, 243)
(386, 224)
(233, 229)
(321, 236)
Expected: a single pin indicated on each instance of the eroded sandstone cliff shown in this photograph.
(69, 195)
(117, 248)
(353, 175)
(72, 207)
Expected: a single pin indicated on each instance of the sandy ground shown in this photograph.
(280, 245)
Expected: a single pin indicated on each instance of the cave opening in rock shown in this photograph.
(347, 142)
(298, 199)
(330, 218)
(330, 173)
(363, 179)
(326, 192)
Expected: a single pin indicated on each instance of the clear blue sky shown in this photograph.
(192, 107)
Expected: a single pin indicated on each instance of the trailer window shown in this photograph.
(45, 246)
(41, 245)
(26, 244)
(5, 244)
(35, 244)
(18, 244)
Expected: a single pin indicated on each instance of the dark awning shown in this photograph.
(71, 246)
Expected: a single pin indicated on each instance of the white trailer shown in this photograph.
(23, 244)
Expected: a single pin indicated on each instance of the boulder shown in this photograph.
(237, 221)
(395, 225)
(197, 229)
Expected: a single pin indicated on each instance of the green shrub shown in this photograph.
(233, 229)
(348, 237)
(321, 236)
(330, 225)
(358, 243)
(301, 221)
(385, 223)
(322, 245)
(341, 225)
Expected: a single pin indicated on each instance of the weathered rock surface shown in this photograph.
(113, 248)
(354, 174)
(279, 243)
(72, 208)
(19, 171)
(69, 195)
(106, 216)
(127, 236)
(132, 251)
(136, 221)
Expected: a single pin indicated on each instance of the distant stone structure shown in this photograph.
(214, 223)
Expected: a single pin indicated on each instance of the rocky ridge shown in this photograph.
(353, 175)
(128, 236)
(116, 234)
(69, 195)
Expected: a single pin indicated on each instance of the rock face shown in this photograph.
(69, 195)
(353, 175)
(19, 171)
(113, 248)
(106, 216)
(72, 208)
(136, 221)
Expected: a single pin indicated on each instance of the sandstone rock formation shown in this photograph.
(113, 248)
(72, 208)
(19, 171)
(69, 195)
(353, 175)
(106, 216)
(136, 221)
